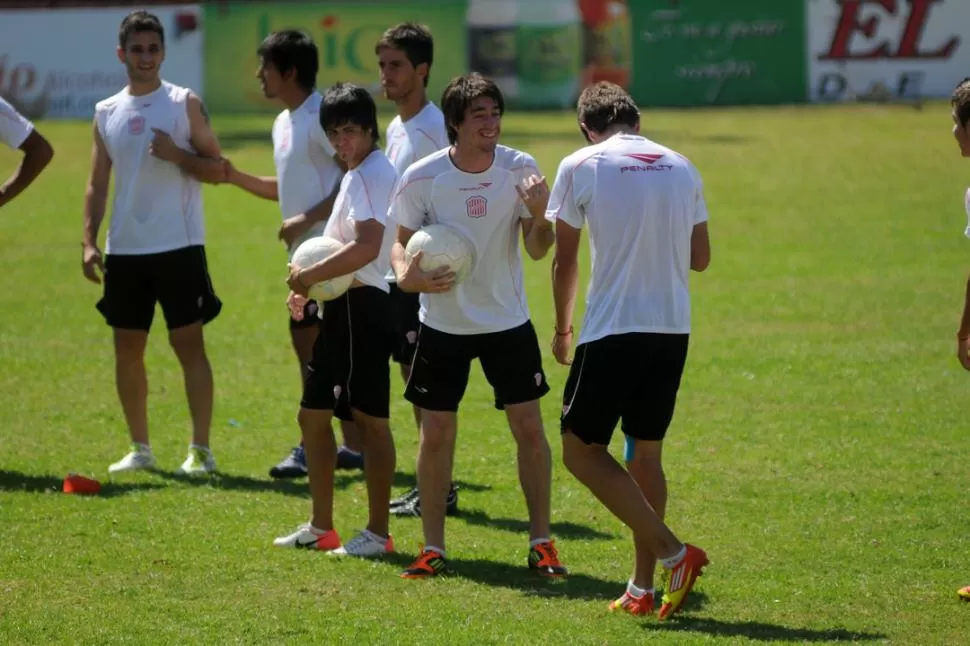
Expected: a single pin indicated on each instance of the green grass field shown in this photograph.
(819, 451)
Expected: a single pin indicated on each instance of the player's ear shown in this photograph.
(121, 53)
(422, 70)
(583, 129)
(636, 127)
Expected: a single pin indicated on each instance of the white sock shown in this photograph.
(318, 532)
(144, 448)
(536, 541)
(200, 447)
(636, 591)
(673, 561)
(349, 450)
(432, 548)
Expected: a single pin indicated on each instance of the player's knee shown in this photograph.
(437, 433)
(129, 346)
(188, 344)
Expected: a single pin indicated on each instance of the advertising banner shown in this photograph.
(886, 49)
(714, 52)
(56, 64)
(345, 33)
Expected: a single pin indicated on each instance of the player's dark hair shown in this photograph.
(604, 105)
(291, 49)
(414, 40)
(349, 104)
(961, 101)
(140, 22)
(460, 93)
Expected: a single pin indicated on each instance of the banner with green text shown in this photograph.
(715, 52)
(345, 33)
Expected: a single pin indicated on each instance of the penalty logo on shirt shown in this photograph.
(136, 125)
(477, 206)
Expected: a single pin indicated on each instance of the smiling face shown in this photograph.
(481, 125)
(142, 56)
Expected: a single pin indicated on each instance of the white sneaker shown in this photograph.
(304, 537)
(199, 460)
(140, 458)
(366, 544)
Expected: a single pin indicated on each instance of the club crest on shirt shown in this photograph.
(477, 206)
(136, 125)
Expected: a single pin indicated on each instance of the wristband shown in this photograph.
(566, 333)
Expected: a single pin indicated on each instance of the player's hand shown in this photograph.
(296, 303)
(534, 193)
(91, 259)
(562, 345)
(437, 281)
(296, 284)
(963, 352)
(229, 172)
(293, 228)
(163, 147)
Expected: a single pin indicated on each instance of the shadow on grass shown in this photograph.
(521, 526)
(759, 631)
(17, 482)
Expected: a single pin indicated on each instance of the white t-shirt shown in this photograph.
(486, 209)
(640, 202)
(156, 207)
(966, 204)
(365, 194)
(14, 127)
(413, 140)
(306, 172)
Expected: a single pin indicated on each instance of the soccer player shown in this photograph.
(18, 133)
(349, 375)
(157, 138)
(644, 207)
(960, 105)
(488, 193)
(405, 54)
(307, 178)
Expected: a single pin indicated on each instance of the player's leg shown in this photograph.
(189, 302)
(366, 398)
(315, 418)
(439, 377)
(128, 306)
(512, 363)
(592, 405)
(404, 316)
(643, 461)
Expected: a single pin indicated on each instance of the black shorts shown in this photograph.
(178, 280)
(511, 361)
(350, 367)
(630, 377)
(406, 323)
(311, 317)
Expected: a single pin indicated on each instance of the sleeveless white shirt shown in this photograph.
(156, 207)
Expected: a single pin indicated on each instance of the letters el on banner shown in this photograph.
(886, 49)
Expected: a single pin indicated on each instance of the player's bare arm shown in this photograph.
(565, 278)
(95, 200)
(260, 186)
(206, 163)
(700, 247)
(363, 250)
(37, 155)
(410, 278)
(293, 228)
(537, 233)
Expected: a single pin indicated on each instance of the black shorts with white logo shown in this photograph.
(405, 307)
(633, 378)
(350, 368)
(177, 280)
(311, 317)
(511, 361)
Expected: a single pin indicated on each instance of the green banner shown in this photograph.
(345, 33)
(715, 52)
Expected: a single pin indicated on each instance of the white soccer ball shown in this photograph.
(312, 251)
(442, 245)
